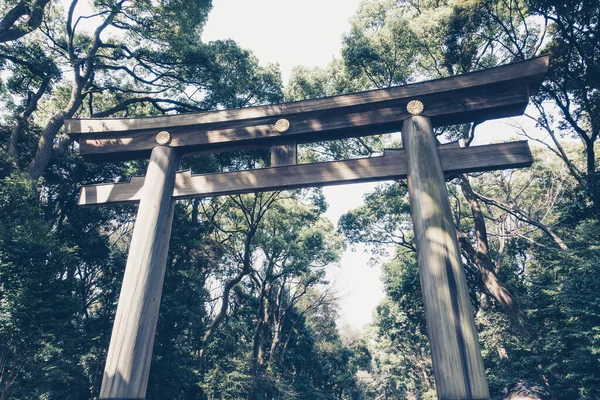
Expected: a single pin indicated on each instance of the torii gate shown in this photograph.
(415, 109)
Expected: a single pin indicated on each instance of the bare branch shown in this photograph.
(518, 213)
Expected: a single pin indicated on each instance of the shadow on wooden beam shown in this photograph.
(390, 166)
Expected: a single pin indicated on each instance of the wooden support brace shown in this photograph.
(285, 154)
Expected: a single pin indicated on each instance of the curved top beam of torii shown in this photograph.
(492, 93)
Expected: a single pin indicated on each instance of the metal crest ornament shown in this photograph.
(415, 107)
(282, 125)
(163, 137)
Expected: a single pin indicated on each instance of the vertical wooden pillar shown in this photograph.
(285, 154)
(457, 363)
(132, 340)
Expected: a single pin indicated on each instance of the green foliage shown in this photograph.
(334, 80)
(382, 221)
(403, 366)
(537, 221)
(555, 287)
(61, 266)
(379, 47)
(565, 304)
(39, 338)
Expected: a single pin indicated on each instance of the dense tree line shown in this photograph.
(247, 311)
(527, 237)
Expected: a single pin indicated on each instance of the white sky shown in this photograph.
(357, 283)
(308, 33)
(288, 32)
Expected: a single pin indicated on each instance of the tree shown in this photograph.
(21, 18)
(403, 364)
(503, 219)
(157, 66)
(139, 58)
(297, 245)
(573, 84)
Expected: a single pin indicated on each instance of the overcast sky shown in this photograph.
(288, 32)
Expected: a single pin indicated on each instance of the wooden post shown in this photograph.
(457, 363)
(132, 340)
(285, 154)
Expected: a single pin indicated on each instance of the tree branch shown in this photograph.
(10, 29)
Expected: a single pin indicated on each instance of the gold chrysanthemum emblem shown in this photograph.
(163, 137)
(415, 107)
(282, 125)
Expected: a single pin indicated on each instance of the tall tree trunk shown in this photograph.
(45, 148)
(258, 332)
(278, 316)
(22, 120)
(246, 269)
(482, 258)
(220, 316)
(274, 342)
(593, 177)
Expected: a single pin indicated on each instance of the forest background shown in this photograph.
(247, 312)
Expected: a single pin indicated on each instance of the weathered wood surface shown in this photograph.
(284, 154)
(493, 93)
(130, 351)
(393, 165)
(456, 356)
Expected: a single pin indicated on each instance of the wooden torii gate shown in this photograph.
(414, 109)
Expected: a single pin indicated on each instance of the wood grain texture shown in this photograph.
(493, 93)
(130, 351)
(531, 71)
(392, 165)
(456, 355)
(284, 154)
